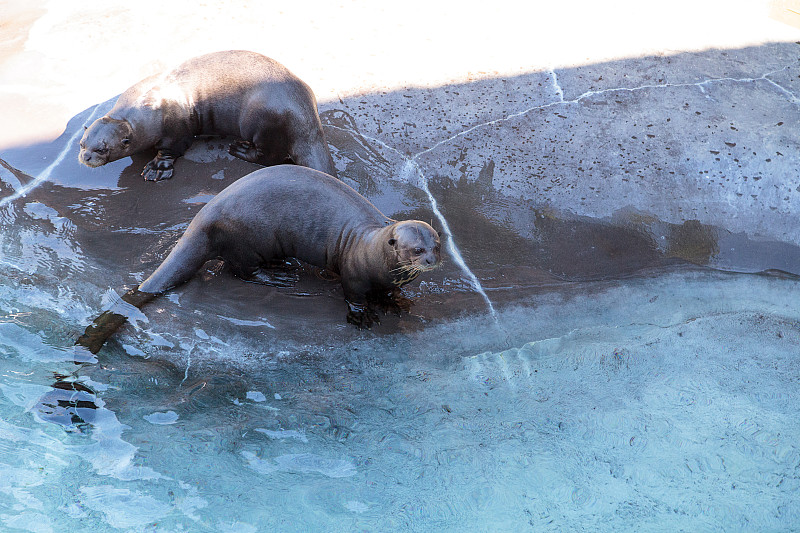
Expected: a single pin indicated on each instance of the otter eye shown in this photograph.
(392, 242)
(102, 151)
(126, 141)
(419, 251)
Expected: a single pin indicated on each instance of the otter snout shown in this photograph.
(90, 159)
(430, 261)
(428, 258)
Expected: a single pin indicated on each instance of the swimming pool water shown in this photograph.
(665, 402)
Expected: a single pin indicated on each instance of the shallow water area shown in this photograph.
(664, 400)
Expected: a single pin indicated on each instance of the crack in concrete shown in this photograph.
(699, 84)
(412, 166)
(791, 97)
(410, 170)
(789, 94)
(556, 85)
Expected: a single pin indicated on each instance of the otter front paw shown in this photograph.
(160, 168)
(245, 150)
(393, 302)
(362, 316)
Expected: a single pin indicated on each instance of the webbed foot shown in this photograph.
(245, 150)
(393, 302)
(283, 274)
(362, 316)
(160, 168)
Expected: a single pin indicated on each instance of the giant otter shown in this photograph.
(243, 94)
(291, 211)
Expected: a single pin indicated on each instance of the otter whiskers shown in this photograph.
(407, 272)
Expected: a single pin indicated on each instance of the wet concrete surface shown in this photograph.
(569, 175)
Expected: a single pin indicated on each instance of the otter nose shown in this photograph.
(87, 156)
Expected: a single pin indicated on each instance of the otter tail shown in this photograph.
(110, 321)
(311, 150)
(191, 252)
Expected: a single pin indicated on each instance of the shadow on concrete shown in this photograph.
(599, 172)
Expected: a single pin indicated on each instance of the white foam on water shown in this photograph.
(256, 396)
(240, 322)
(158, 418)
(284, 434)
(124, 508)
(113, 302)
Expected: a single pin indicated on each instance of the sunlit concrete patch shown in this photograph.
(669, 69)
(45, 174)
(324, 43)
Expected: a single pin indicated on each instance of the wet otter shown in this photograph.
(290, 211)
(237, 93)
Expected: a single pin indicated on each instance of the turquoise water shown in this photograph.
(665, 402)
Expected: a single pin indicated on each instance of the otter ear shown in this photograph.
(392, 242)
(126, 141)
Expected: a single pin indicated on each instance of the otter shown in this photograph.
(272, 112)
(290, 211)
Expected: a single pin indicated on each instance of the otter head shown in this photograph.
(416, 249)
(106, 140)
